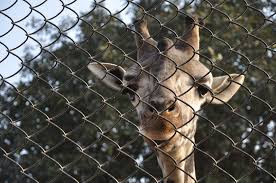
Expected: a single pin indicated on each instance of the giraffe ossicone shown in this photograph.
(167, 91)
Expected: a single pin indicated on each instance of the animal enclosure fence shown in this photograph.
(59, 124)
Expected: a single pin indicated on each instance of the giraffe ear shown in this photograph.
(110, 74)
(224, 87)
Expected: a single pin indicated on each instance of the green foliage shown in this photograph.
(62, 124)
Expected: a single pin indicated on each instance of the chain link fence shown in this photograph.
(59, 123)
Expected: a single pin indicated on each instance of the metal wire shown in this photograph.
(59, 124)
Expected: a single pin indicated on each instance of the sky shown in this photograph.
(11, 63)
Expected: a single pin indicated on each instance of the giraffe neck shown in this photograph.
(183, 157)
(176, 158)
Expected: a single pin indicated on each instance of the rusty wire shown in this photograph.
(69, 157)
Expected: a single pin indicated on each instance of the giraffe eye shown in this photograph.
(130, 91)
(203, 90)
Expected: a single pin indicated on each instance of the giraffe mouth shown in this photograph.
(159, 128)
(159, 142)
(156, 143)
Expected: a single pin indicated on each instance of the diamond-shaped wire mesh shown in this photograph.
(62, 123)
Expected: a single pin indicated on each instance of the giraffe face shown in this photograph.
(165, 96)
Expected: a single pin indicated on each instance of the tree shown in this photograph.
(63, 125)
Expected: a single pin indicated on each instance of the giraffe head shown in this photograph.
(168, 85)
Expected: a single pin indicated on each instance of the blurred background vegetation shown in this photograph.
(62, 125)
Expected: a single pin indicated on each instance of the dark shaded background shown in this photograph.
(62, 125)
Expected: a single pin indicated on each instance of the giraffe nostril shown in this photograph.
(171, 108)
(151, 109)
(155, 106)
(162, 106)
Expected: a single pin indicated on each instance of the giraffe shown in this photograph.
(167, 86)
